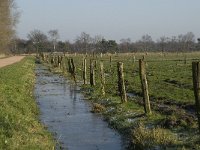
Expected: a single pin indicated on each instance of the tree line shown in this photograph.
(84, 43)
(37, 41)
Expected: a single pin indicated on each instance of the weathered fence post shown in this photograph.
(85, 71)
(133, 59)
(95, 63)
(52, 60)
(73, 69)
(92, 73)
(102, 75)
(56, 61)
(196, 85)
(121, 84)
(185, 60)
(63, 66)
(144, 84)
(69, 66)
(110, 59)
(59, 61)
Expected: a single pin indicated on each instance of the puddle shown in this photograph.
(131, 94)
(66, 114)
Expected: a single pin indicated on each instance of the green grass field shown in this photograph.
(173, 123)
(19, 116)
(169, 78)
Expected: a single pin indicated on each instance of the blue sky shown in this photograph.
(113, 19)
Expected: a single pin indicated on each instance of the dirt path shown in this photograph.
(10, 60)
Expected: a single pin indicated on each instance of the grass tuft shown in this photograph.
(148, 138)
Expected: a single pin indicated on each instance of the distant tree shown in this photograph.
(186, 41)
(162, 42)
(173, 44)
(96, 42)
(97, 39)
(109, 46)
(83, 42)
(189, 39)
(38, 39)
(54, 35)
(63, 46)
(125, 45)
(68, 47)
(146, 42)
(37, 36)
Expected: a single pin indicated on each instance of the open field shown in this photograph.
(173, 123)
(19, 121)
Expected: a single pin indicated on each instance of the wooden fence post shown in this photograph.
(133, 59)
(196, 85)
(59, 61)
(144, 84)
(52, 60)
(95, 64)
(102, 75)
(121, 84)
(73, 69)
(110, 59)
(85, 71)
(55, 61)
(63, 66)
(69, 66)
(185, 60)
(92, 73)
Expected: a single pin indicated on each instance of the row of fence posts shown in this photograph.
(59, 62)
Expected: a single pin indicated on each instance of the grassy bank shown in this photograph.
(19, 123)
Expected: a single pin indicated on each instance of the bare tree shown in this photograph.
(125, 44)
(186, 41)
(96, 41)
(38, 38)
(163, 42)
(189, 39)
(54, 37)
(84, 41)
(146, 41)
(8, 20)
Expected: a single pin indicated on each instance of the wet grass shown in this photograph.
(19, 122)
(173, 123)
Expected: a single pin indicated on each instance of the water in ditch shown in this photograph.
(66, 114)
